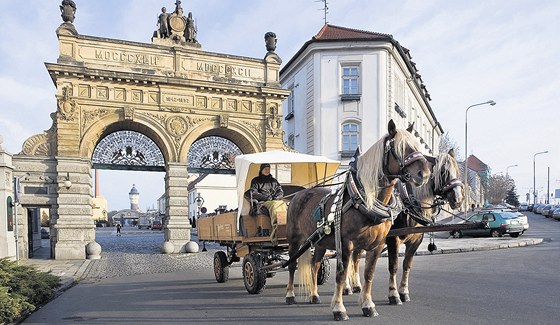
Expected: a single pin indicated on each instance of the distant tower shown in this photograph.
(133, 196)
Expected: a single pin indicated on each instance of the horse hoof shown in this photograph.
(395, 301)
(346, 292)
(290, 300)
(370, 312)
(340, 315)
(404, 297)
(315, 300)
(356, 289)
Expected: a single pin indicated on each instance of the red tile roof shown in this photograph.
(476, 164)
(332, 32)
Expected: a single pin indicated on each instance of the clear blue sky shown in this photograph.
(466, 51)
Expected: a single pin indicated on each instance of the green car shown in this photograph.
(499, 223)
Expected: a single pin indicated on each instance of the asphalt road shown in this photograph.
(507, 286)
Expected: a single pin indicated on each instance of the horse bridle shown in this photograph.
(411, 204)
(455, 182)
(403, 163)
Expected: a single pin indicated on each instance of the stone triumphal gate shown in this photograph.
(170, 91)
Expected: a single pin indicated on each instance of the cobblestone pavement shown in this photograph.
(139, 252)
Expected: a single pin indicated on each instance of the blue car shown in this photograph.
(499, 224)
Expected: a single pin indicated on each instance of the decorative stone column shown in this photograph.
(7, 240)
(74, 226)
(177, 228)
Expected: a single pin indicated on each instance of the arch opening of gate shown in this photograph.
(169, 91)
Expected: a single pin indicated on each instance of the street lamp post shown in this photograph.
(507, 169)
(199, 202)
(467, 192)
(534, 177)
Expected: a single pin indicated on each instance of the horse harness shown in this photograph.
(403, 163)
(413, 207)
(377, 214)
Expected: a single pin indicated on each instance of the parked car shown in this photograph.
(499, 224)
(538, 208)
(524, 221)
(545, 210)
(530, 208)
(556, 214)
(523, 207)
(548, 212)
(156, 225)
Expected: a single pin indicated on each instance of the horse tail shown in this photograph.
(305, 273)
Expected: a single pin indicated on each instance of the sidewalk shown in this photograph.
(72, 271)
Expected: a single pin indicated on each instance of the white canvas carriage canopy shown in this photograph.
(289, 168)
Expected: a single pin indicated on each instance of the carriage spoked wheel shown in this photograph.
(221, 267)
(253, 277)
(324, 271)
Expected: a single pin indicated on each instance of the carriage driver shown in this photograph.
(269, 193)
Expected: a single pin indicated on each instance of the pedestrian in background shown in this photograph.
(118, 229)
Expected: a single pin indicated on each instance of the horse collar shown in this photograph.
(379, 212)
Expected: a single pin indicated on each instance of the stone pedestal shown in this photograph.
(177, 229)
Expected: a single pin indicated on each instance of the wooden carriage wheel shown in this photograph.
(253, 277)
(221, 267)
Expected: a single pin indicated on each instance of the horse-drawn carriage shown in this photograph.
(375, 201)
(245, 233)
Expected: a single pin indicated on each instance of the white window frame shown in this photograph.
(345, 134)
(349, 73)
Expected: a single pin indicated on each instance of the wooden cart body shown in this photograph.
(248, 236)
(294, 171)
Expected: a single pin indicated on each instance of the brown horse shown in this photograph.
(444, 186)
(362, 226)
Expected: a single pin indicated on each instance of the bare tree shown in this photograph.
(497, 188)
(446, 144)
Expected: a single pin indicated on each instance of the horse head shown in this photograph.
(402, 157)
(447, 183)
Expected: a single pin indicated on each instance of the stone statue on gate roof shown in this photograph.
(68, 14)
(68, 10)
(176, 29)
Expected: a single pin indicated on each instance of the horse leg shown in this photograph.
(393, 244)
(366, 302)
(337, 305)
(353, 284)
(316, 264)
(290, 295)
(411, 248)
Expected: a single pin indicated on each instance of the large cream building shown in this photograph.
(345, 85)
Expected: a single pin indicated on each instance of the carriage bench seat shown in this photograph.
(289, 192)
(257, 223)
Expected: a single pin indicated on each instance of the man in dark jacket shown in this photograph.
(267, 190)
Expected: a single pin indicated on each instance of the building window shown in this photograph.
(350, 138)
(290, 111)
(350, 83)
(291, 141)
